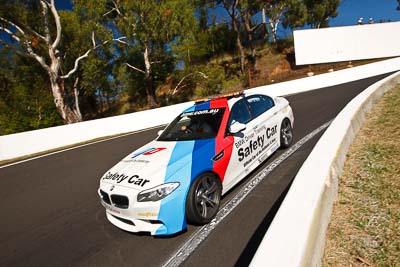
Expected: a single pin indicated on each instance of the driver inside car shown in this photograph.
(197, 125)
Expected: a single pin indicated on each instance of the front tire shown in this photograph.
(286, 133)
(203, 199)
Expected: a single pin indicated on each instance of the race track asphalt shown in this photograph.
(51, 214)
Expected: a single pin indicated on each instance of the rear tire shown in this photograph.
(203, 199)
(286, 133)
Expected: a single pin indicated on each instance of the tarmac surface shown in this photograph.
(51, 214)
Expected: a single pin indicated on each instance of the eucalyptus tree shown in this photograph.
(288, 13)
(320, 11)
(25, 102)
(34, 29)
(151, 28)
(249, 9)
(233, 9)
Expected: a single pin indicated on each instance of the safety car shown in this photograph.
(181, 175)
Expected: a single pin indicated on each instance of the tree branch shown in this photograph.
(36, 56)
(76, 95)
(14, 25)
(76, 64)
(190, 74)
(16, 38)
(120, 41)
(58, 23)
(26, 42)
(46, 22)
(109, 12)
(122, 15)
(255, 27)
(133, 67)
(93, 40)
(33, 32)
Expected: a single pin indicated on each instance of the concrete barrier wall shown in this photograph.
(27, 143)
(335, 44)
(296, 236)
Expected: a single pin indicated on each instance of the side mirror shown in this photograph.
(237, 127)
(160, 132)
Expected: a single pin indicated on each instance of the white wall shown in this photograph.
(348, 43)
(296, 236)
(27, 143)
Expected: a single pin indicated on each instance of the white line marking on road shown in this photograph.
(79, 146)
(179, 256)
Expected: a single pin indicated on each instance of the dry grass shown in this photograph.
(365, 224)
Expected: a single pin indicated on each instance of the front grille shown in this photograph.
(119, 201)
(124, 220)
(105, 197)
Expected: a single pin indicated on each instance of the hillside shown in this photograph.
(274, 64)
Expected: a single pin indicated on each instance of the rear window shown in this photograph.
(240, 113)
(259, 104)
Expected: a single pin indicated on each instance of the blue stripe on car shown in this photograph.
(203, 151)
(188, 160)
(172, 208)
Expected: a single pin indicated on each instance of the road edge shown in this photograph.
(296, 236)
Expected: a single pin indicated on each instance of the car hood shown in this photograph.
(151, 165)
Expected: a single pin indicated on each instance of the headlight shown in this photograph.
(157, 193)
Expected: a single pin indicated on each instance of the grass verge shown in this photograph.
(365, 224)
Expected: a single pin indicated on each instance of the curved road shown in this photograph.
(51, 214)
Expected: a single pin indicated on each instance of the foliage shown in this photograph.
(35, 30)
(320, 11)
(206, 44)
(135, 54)
(93, 73)
(24, 100)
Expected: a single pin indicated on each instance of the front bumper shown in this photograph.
(136, 216)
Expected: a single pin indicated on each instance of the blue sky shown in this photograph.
(349, 11)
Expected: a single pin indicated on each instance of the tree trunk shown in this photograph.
(239, 45)
(148, 80)
(249, 30)
(235, 27)
(77, 110)
(53, 68)
(57, 87)
(274, 28)
(264, 22)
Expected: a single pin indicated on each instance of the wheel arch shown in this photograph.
(206, 172)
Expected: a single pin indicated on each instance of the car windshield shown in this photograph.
(194, 125)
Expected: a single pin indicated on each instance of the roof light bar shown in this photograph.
(227, 96)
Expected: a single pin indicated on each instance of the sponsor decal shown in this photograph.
(272, 149)
(201, 112)
(149, 151)
(112, 210)
(254, 144)
(148, 214)
(136, 161)
(119, 178)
